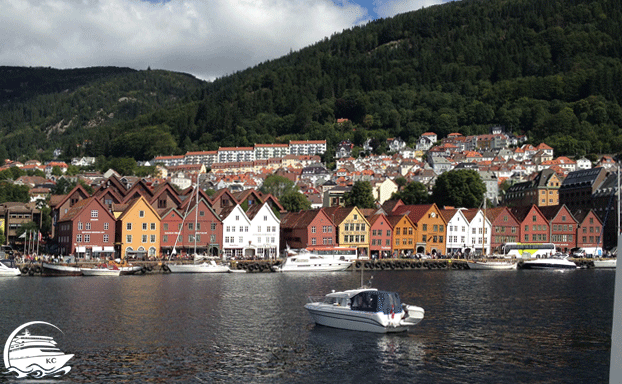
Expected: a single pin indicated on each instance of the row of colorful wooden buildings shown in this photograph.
(157, 221)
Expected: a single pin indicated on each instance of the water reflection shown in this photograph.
(480, 326)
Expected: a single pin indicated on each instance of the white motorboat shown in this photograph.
(59, 270)
(6, 271)
(132, 269)
(549, 263)
(310, 262)
(101, 270)
(364, 309)
(491, 265)
(605, 263)
(205, 267)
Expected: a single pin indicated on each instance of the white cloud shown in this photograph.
(207, 39)
(390, 8)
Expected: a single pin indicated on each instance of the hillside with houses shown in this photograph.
(526, 184)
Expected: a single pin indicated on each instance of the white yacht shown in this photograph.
(549, 263)
(365, 309)
(310, 262)
(6, 271)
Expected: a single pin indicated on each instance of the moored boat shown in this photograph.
(491, 265)
(549, 263)
(101, 270)
(205, 267)
(365, 309)
(8, 270)
(310, 262)
(59, 270)
(605, 263)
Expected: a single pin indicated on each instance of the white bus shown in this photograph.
(527, 250)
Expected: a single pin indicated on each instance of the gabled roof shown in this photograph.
(416, 212)
(520, 213)
(302, 219)
(551, 211)
(57, 200)
(132, 203)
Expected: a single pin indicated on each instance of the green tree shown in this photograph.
(294, 202)
(56, 171)
(278, 186)
(461, 188)
(360, 196)
(12, 192)
(413, 193)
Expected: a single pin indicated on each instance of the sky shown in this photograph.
(206, 38)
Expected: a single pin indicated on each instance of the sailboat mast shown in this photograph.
(196, 215)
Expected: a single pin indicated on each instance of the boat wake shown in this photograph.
(37, 372)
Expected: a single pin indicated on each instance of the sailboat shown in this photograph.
(209, 266)
(485, 264)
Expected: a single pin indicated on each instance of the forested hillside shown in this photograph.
(549, 69)
(42, 108)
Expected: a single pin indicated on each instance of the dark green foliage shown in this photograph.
(549, 69)
(294, 202)
(413, 193)
(360, 196)
(13, 192)
(278, 186)
(461, 188)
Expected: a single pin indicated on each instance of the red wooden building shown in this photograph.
(87, 230)
(563, 227)
(534, 227)
(505, 227)
(307, 228)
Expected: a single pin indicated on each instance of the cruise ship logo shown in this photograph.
(34, 356)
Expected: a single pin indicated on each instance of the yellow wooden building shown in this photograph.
(137, 230)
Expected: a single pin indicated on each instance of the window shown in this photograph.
(88, 226)
(79, 238)
(201, 213)
(128, 238)
(128, 226)
(213, 226)
(106, 226)
(144, 226)
(87, 238)
(313, 241)
(212, 239)
(144, 239)
(313, 229)
(79, 225)
(94, 213)
(141, 213)
(190, 226)
(265, 218)
(152, 238)
(389, 232)
(425, 228)
(533, 218)
(397, 231)
(153, 226)
(106, 238)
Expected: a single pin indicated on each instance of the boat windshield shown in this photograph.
(377, 301)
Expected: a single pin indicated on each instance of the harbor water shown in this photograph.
(480, 327)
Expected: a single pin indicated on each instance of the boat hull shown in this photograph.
(100, 272)
(548, 264)
(59, 270)
(376, 322)
(611, 263)
(197, 268)
(491, 265)
(10, 272)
